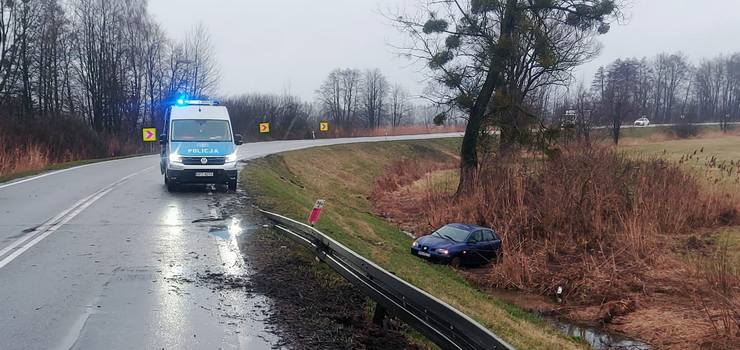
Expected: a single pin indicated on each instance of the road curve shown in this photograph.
(102, 256)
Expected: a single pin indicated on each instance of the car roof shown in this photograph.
(199, 112)
(467, 227)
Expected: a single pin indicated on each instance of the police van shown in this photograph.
(198, 145)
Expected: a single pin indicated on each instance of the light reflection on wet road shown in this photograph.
(131, 277)
(124, 267)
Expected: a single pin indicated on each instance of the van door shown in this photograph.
(163, 149)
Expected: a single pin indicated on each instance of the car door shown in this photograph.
(494, 243)
(477, 247)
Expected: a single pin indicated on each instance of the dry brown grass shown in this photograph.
(719, 295)
(37, 144)
(589, 216)
(21, 158)
(611, 230)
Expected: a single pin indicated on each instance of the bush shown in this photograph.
(685, 130)
(590, 220)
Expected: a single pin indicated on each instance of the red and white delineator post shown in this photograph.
(316, 212)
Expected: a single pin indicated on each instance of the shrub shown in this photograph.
(590, 219)
(685, 130)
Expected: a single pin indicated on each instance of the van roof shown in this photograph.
(199, 112)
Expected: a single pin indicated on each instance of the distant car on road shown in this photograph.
(458, 245)
(642, 122)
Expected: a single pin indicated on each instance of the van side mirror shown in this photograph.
(163, 139)
(238, 139)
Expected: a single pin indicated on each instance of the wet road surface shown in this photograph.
(102, 256)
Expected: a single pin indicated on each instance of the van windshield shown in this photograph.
(201, 130)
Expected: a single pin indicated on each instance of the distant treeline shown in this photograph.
(668, 88)
(351, 100)
(110, 67)
(107, 63)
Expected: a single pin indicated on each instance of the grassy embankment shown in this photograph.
(345, 176)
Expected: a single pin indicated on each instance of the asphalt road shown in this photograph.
(103, 257)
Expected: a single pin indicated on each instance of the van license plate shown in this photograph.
(204, 174)
(425, 254)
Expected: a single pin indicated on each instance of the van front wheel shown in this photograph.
(171, 185)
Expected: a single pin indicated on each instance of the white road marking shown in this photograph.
(43, 227)
(64, 171)
(60, 220)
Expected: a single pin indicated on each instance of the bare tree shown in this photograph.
(671, 73)
(622, 93)
(400, 107)
(584, 108)
(374, 94)
(202, 72)
(339, 96)
(709, 79)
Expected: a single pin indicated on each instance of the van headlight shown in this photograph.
(231, 158)
(175, 158)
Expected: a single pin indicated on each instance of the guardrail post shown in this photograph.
(438, 321)
(379, 315)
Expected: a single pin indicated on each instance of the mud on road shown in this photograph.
(310, 305)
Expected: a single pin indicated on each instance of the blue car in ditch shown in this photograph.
(458, 245)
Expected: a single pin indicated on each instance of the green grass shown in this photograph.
(726, 148)
(344, 175)
(696, 153)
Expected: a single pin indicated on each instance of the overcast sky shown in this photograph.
(291, 45)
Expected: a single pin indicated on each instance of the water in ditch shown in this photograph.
(597, 338)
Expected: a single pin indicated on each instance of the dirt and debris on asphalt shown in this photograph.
(313, 307)
(307, 304)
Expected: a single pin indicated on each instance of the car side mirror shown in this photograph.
(162, 139)
(238, 139)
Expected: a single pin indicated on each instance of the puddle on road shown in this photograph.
(232, 229)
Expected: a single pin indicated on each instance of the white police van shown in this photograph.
(198, 145)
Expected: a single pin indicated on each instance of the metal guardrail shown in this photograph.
(438, 321)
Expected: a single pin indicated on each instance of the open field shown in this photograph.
(345, 176)
(704, 157)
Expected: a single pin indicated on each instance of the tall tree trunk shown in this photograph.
(494, 80)
(469, 149)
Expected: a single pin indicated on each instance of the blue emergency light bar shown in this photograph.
(184, 102)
